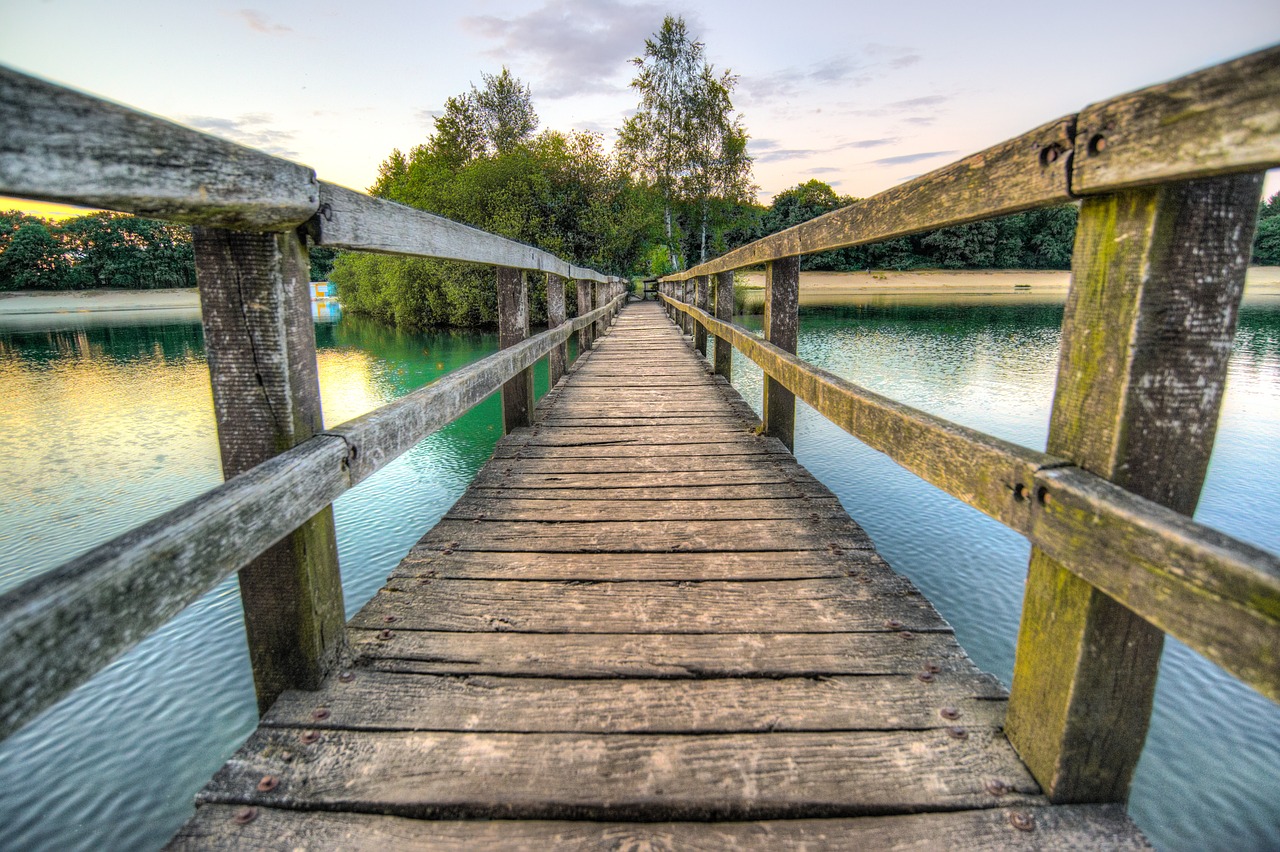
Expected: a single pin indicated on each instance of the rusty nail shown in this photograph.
(925, 677)
(384, 635)
(390, 619)
(951, 713)
(893, 624)
(1097, 144)
(957, 733)
(244, 816)
(347, 677)
(308, 737)
(996, 787)
(320, 713)
(268, 783)
(934, 668)
(1022, 821)
(907, 634)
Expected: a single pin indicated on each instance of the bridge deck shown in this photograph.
(644, 624)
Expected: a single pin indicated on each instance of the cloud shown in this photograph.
(259, 23)
(578, 47)
(903, 159)
(875, 61)
(896, 108)
(428, 116)
(823, 170)
(771, 151)
(252, 129)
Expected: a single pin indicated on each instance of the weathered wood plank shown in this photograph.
(256, 314)
(638, 706)
(646, 536)
(353, 220)
(513, 328)
(1157, 277)
(1219, 120)
(798, 490)
(678, 655)
(690, 479)
(989, 830)
(558, 360)
(1030, 171)
(781, 328)
(478, 507)
(624, 776)
(765, 606)
(863, 565)
(702, 299)
(57, 144)
(723, 304)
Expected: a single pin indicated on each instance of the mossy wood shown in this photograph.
(782, 329)
(723, 310)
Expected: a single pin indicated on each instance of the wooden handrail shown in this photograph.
(1216, 121)
(59, 628)
(1217, 594)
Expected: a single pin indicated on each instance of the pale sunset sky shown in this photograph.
(862, 95)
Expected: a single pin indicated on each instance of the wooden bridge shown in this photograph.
(645, 625)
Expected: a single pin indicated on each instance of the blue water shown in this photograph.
(107, 421)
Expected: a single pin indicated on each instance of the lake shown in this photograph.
(106, 420)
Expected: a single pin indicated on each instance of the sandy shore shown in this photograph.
(833, 288)
(26, 302)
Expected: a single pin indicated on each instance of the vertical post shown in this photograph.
(513, 327)
(559, 356)
(703, 303)
(686, 296)
(781, 321)
(1157, 276)
(584, 308)
(598, 301)
(724, 313)
(261, 347)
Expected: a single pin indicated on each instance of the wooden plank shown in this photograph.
(63, 626)
(690, 479)
(744, 460)
(723, 304)
(57, 144)
(781, 328)
(678, 655)
(1157, 277)
(764, 606)
(1029, 171)
(863, 565)
(585, 335)
(639, 706)
(478, 507)
(260, 341)
(646, 536)
(1219, 120)
(352, 220)
(558, 446)
(702, 296)
(558, 360)
(624, 776)
(798, 490)
(988, 830)
(513, 328)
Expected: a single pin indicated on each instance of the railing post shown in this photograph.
(703, 286)
(559, 356)
(260, 342)
(781, 321)
(597, 301)
(724, 313)
(513, 327)
(584, 307)
(1157, 276)
(686, 296)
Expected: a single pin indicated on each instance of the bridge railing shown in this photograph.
(255, 216)
(1168, 179)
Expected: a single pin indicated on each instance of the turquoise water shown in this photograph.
(106, 421)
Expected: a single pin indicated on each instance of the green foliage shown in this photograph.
(322, 262)
(94, 251)
(1266, 244)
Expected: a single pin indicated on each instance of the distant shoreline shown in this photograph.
(35, 302)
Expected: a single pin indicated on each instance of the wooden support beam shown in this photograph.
(559, 357)
(781, 321)
(1156, 283)
(260, 341)
(599, 300)
(584, 308)
(724, 313)
(686, 296)
(513, 327)
(702, 298)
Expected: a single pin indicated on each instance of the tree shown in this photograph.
(684, 138)
(32, 259)
(1266, 244)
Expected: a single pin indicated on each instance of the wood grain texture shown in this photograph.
(702, 299)
(1078, 827)
(57, 144)
(558, 360)
(723, 311)
(1223, 119)
(1157, 276)
(260, 341)
(513, 328)
(624, 776)
(782, 329)
(1023, 171)
(352, 220)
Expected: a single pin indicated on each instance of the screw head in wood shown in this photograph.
(390, 619)
(949, 712)
(893, 624)
(268, 783)
(309, 737)
(245, 815)
(1022, 821)
(925, 677)
(907, 634)
(996, 787)
(320, 713)
(957, 733)
(347, 677)
(933, 668)
(384, 635)
(1020, 492)
(448, 551)
(1097, 144)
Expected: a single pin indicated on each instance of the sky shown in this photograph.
(861, 95)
